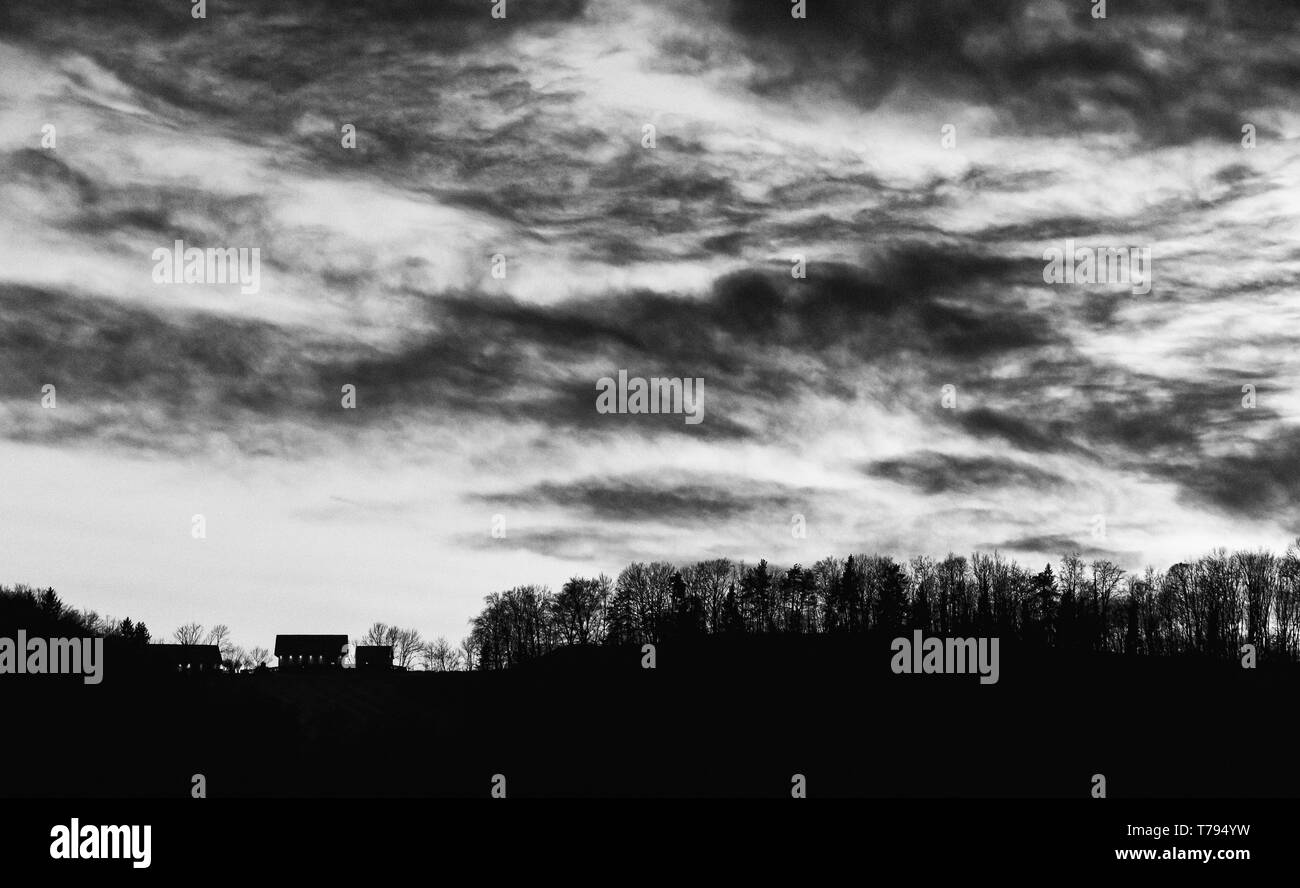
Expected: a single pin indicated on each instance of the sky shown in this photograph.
(525, 137)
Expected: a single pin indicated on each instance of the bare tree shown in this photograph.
(406, 643)
(406, 646)
(378, 633)
(190, 633)
(1106, 579)
(1286, 603)
(440, 656)
(709, 580)
(91, 622)
(1260, 578)
(220, 636)
(236, 659)
(578, 609)
(640, 600)
(1220, 591)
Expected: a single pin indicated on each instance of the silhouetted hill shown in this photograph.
(732, 718)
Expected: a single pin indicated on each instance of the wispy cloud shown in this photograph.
(475, 394)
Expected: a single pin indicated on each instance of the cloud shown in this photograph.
(1256, 479)
(1049, 67)
(775, 137)
(662, 498)
(935, 473)
(580, 543)
(756, 339)
(1061, 544)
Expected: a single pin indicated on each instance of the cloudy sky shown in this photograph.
(476, 396)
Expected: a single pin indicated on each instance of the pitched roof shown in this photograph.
(310, 645)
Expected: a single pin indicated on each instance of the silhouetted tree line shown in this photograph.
(1211, 606)
(41, 611)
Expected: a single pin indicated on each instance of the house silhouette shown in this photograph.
(374, 656)
(184, 657)
(302, 652)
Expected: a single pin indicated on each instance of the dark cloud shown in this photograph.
(584, 542)
(1061, 544)
(1194, 433)
(109, 351)
(190, 370)
(600, 544)
(937, 473)
(1049, 65)
(1256, 479)
(1024, 433)
(752, 336)
(669, 498)
(915, 309)
(49, 173)
(1108, 405)
(1154, 417)
(445, 25)
(916, 297)
(366, 61)
(178, 376)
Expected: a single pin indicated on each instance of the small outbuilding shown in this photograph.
(374, 656)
